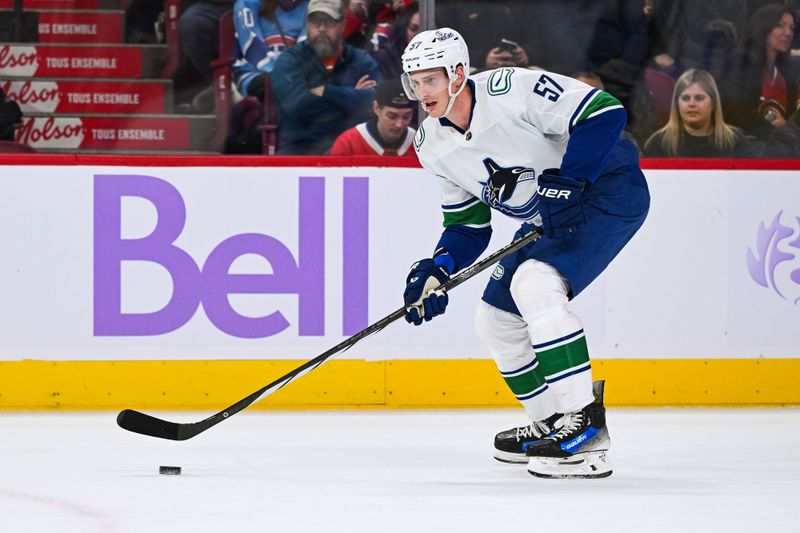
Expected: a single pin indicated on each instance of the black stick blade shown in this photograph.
(147, 425)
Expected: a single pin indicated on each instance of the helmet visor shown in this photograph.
(419, 84)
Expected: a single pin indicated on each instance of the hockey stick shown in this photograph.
(145, 424)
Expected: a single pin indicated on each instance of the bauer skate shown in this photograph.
(510, 445)
(578, 445)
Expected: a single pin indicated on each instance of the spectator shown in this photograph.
(621, 33)
(322, 86)
(10, 117)
(389, 10)
(784, 142)
(389, 50)
(369, 22)
(593, 80)
(620, 49)
(697, 33)
(491, 28)
(589, 78)
(198, 30)
(388, 133)
(696, 127)
(140, 21)
(564, 30)
(760, 84)
(356, 23)
(264, 29)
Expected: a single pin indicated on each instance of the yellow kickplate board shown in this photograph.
(356, 384)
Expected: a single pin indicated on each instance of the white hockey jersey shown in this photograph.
(521, 124)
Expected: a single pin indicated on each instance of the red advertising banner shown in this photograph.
(79, 27)
(54, 4)
(105, 133)
(86, 96)
(65, 61)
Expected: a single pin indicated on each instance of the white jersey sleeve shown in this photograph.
(460, 208)
(555, 104)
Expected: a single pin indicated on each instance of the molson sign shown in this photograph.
(99, 133)
(70, 61)
(59, 96)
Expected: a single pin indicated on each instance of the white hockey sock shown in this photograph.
(506, 336)
(556, 335)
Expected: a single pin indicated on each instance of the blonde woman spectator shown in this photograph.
(696, 127)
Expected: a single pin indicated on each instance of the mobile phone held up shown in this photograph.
(507, 46)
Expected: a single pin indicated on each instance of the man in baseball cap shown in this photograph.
(322, 86)
(333, 8)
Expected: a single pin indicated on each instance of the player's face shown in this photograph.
(392, 121)
(430, 86)
(695, 106)
(780, 38)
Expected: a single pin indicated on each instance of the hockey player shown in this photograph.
(544, 149)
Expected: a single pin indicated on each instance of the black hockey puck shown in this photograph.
(169, 470)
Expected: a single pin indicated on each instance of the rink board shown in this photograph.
(214, 385)
(166, 282)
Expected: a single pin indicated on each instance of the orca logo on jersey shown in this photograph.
(558, 194)
(503, 180)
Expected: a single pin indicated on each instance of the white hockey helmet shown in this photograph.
(443, 48)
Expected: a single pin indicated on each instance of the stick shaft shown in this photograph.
(144, 424)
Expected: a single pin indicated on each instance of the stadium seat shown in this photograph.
(660, 86)
(222, 78)
(172, 12)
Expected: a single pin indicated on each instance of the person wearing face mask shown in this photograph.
(696, 126)
(322, 86)
(759, 86)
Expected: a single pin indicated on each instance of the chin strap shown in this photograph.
(453, 97)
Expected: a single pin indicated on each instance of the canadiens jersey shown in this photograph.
(259, 41)
(522, 122)
(359, 140)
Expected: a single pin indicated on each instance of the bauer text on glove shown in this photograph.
(560, 203)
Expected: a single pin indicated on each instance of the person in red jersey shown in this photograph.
(389, 133)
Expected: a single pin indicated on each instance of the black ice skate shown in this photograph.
(578, 445)
(510, 445)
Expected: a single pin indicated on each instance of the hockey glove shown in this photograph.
(422, 298)
(560, 203)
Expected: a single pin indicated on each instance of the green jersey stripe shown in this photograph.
(478, 214)
(601, 100)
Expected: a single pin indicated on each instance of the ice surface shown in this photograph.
(682, 470)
